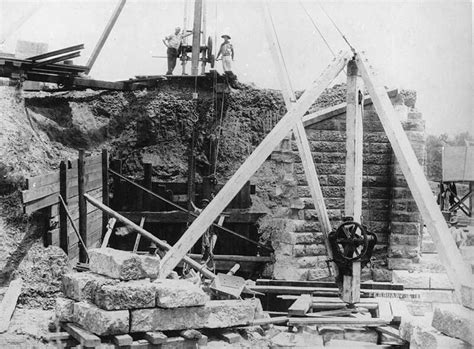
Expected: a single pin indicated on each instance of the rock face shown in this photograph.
(214, 314)
(178, 293)
(126, 295)
(99, 321)
(123, 265)
(455, 321)
(82, 286)
(64, 309)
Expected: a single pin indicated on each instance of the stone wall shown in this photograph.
(388, 209)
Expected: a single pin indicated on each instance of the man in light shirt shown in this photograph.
(227, 52)
(173, 42)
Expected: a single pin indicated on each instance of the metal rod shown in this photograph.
(57, 52)
(189, 212)
(201, 268)
(56, 59)
(73, 225)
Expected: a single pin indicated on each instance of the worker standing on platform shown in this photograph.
(173, 42)
(227, 52)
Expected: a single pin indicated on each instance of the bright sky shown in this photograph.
(422, 45)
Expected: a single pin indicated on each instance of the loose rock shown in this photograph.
(99, 321)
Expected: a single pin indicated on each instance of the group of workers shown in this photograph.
(174, 41)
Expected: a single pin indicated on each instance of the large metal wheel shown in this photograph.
(352, 240)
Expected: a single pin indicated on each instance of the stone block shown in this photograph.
(123, 265)
(403, 251)
(214, 314)
(81, 286)
(126, 295)
(454, 320)
(361, 334)
(331, 332)
(400, 264)
(402, 239)
(467, 296)
(309, 250)
(178, 293)
(64, 309)
(101, 322)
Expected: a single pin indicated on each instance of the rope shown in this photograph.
(220, 132)
(337, 28)
(317, 29)
(279, 48)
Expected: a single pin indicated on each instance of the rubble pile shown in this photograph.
(121, 294)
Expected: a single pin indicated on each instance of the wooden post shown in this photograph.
(82, 204)
(147, 175)
(353, 188)
(196, 37)
(471, 199)
(251, 165)
(63, 233)
(105, 189)
(300, 136)
(185, 28)
(204, 38)
(105, 35)
(449, 254)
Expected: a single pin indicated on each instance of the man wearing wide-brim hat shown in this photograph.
(227, 52)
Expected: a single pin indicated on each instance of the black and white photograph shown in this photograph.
(185, 174)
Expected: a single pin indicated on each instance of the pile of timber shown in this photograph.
(121, 300)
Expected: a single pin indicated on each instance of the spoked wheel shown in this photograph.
(352, 240)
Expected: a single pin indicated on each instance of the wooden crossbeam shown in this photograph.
(353, 178)
(8, 305)
(448, 252)
(56, 52)
(300, 134)
(251, 165)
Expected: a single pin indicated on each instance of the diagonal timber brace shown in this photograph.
(300, 135)
(450, 256)
(251, 165)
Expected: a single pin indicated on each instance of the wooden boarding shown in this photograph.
(8, 305)
(301, 306)
(84, 337)
(337, 321)
(249, 167)
(156, 337)
(448, 252)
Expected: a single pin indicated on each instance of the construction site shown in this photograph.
(190, 208)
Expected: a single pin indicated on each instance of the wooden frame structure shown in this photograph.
(449, 254)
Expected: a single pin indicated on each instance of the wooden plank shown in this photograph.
(448, 252)
(105, 35)
(8, 305)
(384, 309)
(370, 285)
(105, 187)
(110, 228)
(82, 204)
(36, 205)
(249, 167)
(374, 322)
(33, 183)
(63, 223)
(148, 235)
(353, 178)
(336, 110)
(38, 193)
(230, 337)
(84, 337)
(301, 306)
(122, 340)
(56, 336)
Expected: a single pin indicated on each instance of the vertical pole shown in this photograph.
(63, 238)
(353, 189)
(204, 33)
(185, 28)
(471, 199)
(196, 37)
(105, 189)
(147, 184)
(82, 205)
